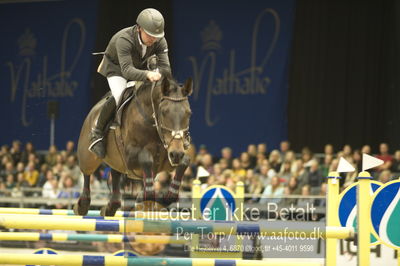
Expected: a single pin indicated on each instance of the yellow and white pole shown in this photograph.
(332, 216)
(364, 218)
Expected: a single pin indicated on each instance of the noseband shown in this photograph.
(180, 134)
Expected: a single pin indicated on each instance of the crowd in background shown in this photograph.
(265, 174)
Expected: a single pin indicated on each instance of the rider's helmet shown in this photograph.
(152, 22)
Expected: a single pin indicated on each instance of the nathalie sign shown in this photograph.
(238, 57)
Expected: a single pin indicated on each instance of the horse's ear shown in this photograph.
(188, 87)
(165, 85)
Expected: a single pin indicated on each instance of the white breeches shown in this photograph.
(117, 86)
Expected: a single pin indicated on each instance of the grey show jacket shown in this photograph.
(123, 56)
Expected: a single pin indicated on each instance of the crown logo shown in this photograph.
(211, 36)
(27, 43)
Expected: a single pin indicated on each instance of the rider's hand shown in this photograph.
(153, 76)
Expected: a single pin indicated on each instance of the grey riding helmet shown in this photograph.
(152, 22)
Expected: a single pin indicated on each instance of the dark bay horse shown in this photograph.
(152, 137)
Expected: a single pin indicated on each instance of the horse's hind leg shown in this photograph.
(115, 200)
(83, 204)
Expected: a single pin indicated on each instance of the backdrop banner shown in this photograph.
(45, 62)
(238, 56)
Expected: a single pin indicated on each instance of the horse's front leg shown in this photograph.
(173, 190)
(146, 162)
(115, 200)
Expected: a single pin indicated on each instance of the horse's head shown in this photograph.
(174, 117)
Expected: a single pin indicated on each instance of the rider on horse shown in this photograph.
(126, 61)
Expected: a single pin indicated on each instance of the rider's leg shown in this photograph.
(117, 85)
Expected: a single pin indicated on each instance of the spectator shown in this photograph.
(52, 194)
(285, 172)
(9, 170)
(357, 160)
(224, 164)
(29, 149)
(69, 148)
(273, 192)
(252, 152)
(324, 167)
(305, 200)
(315, 178)
(284, 148)
(73, 168)
(51, 157)
(4, 151)
(202, 152)
(291, 157)
(385, 176)
(306, 155)
(237, 168)
(255, 187)
(396, 163)
(20, 168)
(207, 163)
(275, 160)
(10, 183)
(347, 153)
(48, 190)
(262, 148)
(385, 157)
(15, 151)
(266, 173)
(302, 173)
(19, 186)
(59, 168)
(292, 189)
(328, 150)
(366, 149)
(42, 175)
(226, 154)
(245, 161)
(31, 175)
(260, 158)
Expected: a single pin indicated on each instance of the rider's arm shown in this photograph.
(163, 59)
(124, 50)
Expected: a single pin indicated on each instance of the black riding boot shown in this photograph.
(106, 113)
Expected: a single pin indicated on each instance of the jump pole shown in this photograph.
(119, 215)
(117, 238)
(83, 260)
(12, 221)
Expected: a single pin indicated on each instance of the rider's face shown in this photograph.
(146, 38)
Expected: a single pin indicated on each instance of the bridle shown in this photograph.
(180, 134)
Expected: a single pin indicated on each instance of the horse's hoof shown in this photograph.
(80, 208)
(110, 209)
